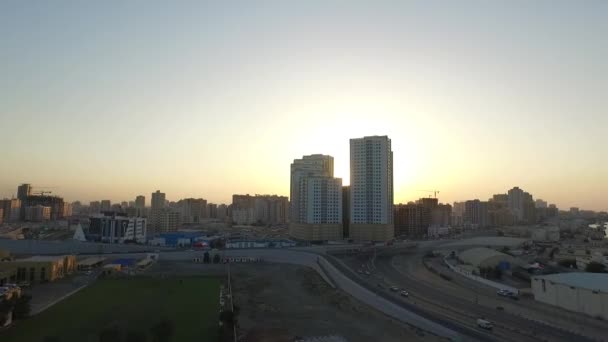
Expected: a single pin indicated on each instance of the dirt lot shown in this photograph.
(278, 302)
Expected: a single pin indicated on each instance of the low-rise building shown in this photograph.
(482, 257)
(580, 292)
(90, 263)
(38, 269)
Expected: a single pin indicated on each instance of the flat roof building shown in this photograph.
(576, 291)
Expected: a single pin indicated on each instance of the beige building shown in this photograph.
(316, 205)
(38, 269)
(577, 291)
(165, 220)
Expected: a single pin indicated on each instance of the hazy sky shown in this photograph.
(110, 99)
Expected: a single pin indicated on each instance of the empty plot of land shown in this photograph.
(279, 302)
(138, 309)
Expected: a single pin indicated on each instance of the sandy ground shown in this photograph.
(279, 302)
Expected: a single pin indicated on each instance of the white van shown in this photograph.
(484, 324)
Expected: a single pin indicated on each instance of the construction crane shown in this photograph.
(43, 190)
(434, 192)
(42, 193)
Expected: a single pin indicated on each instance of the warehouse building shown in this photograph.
(38, 269)
(577, 291)
(482, 257)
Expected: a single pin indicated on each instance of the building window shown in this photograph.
(42, 273)
(32, 275)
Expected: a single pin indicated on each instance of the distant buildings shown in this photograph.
(259, 209)
(411, 220)
(106, 205)
(192, 210)
(476, 214)
(117, 228)
(243, 209)
(222, 211)
(11, 209)
(94, 207)
(271, 209)
(164, 220)
(37, 213)
(158, 200)
(521, 205)
(414, 219)
(371, 189)
(212, 210)
(316, 199)
(140, 202)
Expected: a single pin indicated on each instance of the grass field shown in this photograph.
(128, 307)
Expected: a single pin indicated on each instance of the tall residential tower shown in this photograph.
(371, 189)
(316, 199)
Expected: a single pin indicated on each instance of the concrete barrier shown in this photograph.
(479, 279)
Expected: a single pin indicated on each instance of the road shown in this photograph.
(446, 301)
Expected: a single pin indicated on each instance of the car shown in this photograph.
(367, 273)
(404, 293)
(484, 324)
(503, 293)
(394, 288)
(360, 271)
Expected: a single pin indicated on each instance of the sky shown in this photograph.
(111, 99)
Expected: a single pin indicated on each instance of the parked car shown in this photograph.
(394, 288)
(404, 293)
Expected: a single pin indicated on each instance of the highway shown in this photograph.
(446, 301)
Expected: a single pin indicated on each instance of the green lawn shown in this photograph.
(133, 305)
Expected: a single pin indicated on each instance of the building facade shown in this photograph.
(117, 228)
(193, 210)
(575, 291)
(476, 214)
(37, 213)
(11, 209)
(371, 177)
(316, 202)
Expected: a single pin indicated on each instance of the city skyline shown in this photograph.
(114, 100)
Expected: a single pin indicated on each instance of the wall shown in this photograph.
(487, 282)
(571, 298)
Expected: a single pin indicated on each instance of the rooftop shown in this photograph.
(91, 261)
(590, 281)
(43, 258)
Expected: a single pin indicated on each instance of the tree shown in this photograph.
(162, 331)
(595, 267)
(206, 258)
(216, 259)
